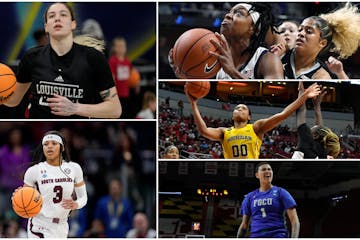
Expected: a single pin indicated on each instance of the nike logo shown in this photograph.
(208, 69)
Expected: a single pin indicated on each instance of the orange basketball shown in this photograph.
(191, 54)
(134, 78)
(7, 83)
(27, 202)
(198, 89)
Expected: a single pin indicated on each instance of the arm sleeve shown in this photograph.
(287, 199)
(81, 195)
(102, 72)
(30, 176)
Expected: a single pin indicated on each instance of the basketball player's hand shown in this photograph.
(17, 189)
(278, 49)
(69, 204)
(319, 98)
(334, 65)
(313, 91)
(61, 106)
(173, 66)
(224, 56)
(191, 98)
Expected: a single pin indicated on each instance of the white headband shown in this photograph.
(253, 14)
(52, 137)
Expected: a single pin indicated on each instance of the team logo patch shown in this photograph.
(67, 170)
(43, 173)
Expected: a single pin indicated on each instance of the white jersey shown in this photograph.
(249, 69)
(55, 183)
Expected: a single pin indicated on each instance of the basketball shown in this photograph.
(191, 54)
(7, 83)
(134, 78)
(27, 202)
(198, 89)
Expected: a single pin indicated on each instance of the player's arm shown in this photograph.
(317, 107)
(243, 226)
(301, 111)
(214, 134)
(295, 223)
(15, 99)
(270, 67)
(109, 108)
(264, 125)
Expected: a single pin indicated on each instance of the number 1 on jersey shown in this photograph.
(263, 213)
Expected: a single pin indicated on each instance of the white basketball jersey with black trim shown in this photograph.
(55, 183)
(249, 70)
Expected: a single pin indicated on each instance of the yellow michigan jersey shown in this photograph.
(241, 143)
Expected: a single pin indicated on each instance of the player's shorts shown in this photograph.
(43, 227)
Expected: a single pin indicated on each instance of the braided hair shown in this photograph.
(266, 21)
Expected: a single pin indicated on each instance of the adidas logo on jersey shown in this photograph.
(59, 79)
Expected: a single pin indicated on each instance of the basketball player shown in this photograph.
(265, 208)
(288, 30)
(56, 178)
(243, 140)
(319, 141)
(171, 152)
(66, 79)
(242, 36)
(241, 54)
(338, 31)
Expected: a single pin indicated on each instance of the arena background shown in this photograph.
(209, 195)
(103, 149)
(340, 112)
(177, 17)
(136, 22)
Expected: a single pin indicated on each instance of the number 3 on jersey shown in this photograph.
(58, 190)
(239, 150)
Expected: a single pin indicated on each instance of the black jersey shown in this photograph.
(80, 75)
(289, 67)
(307, 145)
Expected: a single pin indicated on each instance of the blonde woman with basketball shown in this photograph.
(66, 79)
(56, 178)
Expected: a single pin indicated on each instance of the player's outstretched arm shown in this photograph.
(317, 107)
(214, 134)
(15, 99)
(264, 125)
(295, 223)
(301, 111)
(243, 227)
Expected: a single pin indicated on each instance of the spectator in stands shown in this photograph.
(141, 228)
(337, 32)
(14, 160)
(114, 211)
(240, 51)
(171, 152)
(319, 141)
(121, 67)
(244, 140)
(149, 106)
(265, 208)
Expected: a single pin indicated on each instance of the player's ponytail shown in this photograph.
(342, 30)
(89, 41)
(329, 140)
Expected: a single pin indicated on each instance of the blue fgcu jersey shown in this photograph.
(267, 212)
